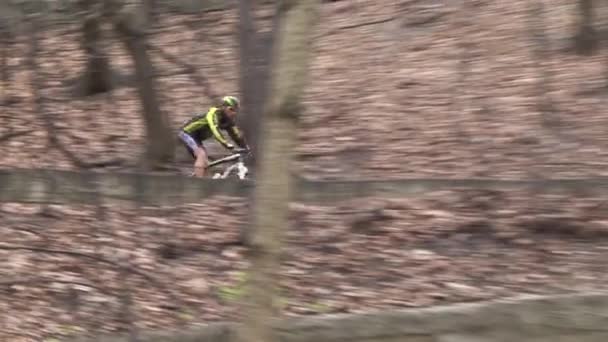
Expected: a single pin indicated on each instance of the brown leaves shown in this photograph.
(395, 103)
(440, 248)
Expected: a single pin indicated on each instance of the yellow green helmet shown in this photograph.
(230, 101)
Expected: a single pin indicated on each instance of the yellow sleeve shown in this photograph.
(212, 121)
(237, 136)
(194, 125)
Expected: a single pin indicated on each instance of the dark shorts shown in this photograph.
(190, 143)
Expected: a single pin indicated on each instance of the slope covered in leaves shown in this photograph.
(398, 89)
(81, 270)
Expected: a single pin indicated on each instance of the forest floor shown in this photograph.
(426, 90)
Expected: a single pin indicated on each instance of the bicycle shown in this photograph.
(237, 168)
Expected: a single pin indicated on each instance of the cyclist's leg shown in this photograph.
(189, 143)
(200, 164)
(197, 151)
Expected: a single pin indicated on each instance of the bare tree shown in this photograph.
(130, 22)
(38, 82)
(586, 39)
(5, 74)
(9, 19)
(273, 179)
(97, 77)
(255, 60)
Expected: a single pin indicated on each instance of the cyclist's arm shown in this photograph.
(236, 135)
(215, 130)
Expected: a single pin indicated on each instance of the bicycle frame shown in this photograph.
(238, 167)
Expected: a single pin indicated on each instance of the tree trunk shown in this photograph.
(6, 79)
(130, 24)
(586, 39)
(255, 60)
(246, 51)
(8, 39)
(97, 77)
(273, 179)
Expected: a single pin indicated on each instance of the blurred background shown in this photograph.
(397, 89)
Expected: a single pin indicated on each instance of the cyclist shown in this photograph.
(204, 126)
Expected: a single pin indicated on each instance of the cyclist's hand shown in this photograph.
(230, 146)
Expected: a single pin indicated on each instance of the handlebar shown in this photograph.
(241, 150)
(237, 153)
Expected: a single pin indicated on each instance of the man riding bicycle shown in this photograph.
(204, 126)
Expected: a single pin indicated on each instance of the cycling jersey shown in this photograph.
(204, 126)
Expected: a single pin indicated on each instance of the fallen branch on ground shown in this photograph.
(352, 26)
(10, 135)
(119, 265)
(48, 280)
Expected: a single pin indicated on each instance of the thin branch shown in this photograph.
(373, 22)
(188, 68)
(352, 26)
(20, 333)
(572, 328)
(11, 135)
(428, 20)
(21, 229)
(467, 85)
(550, 118)
(37, 83)
(47, 280)
(458, 102)
(52, 131)
(39, 100)
(78, 162)
(540, 54)
(97, 258)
